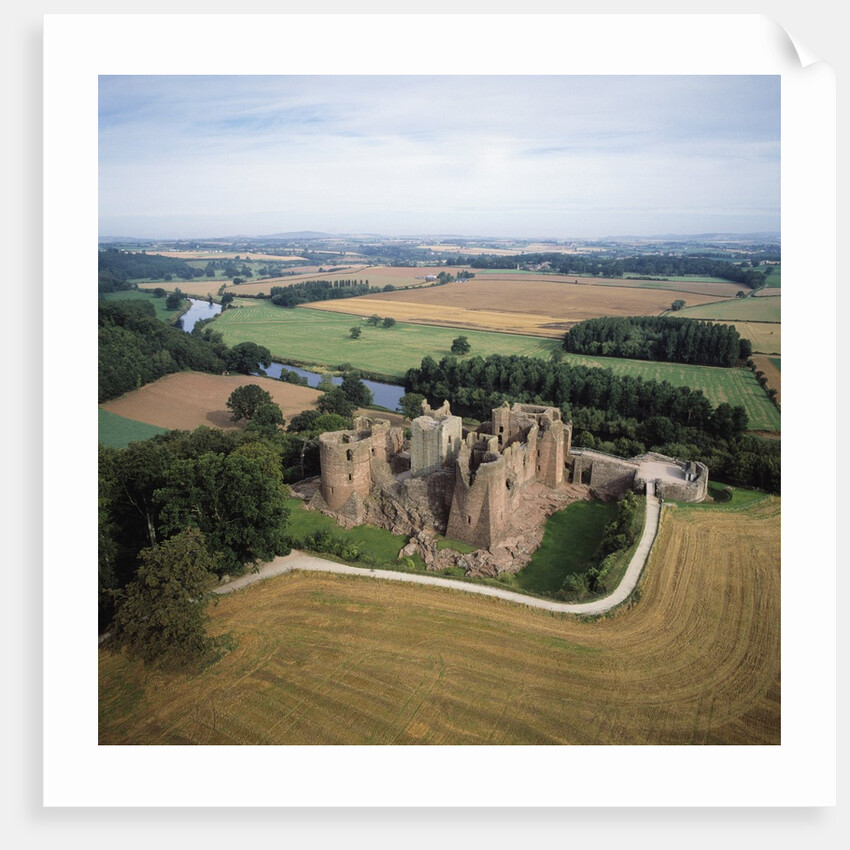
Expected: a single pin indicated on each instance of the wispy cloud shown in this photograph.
(399, 154)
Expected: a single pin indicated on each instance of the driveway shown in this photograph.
(298, 560)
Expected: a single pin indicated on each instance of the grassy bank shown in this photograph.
(117, 431)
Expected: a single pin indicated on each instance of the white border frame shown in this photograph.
(77, 772)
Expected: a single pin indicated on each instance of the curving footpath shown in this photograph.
(298, 560)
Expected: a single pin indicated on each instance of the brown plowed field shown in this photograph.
(523, 304)
(186, 400)
(326, 659)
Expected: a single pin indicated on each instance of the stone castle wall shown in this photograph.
(479, 510)
(469, 488)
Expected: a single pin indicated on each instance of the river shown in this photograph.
(385, 395)
(199, 310)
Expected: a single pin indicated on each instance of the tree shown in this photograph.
(460, 345)
(389, 321)
(355, 390)
(336, 401)
(247, 357)
(174, 300)
(411, 404)
(226, 298)
(244, 401)
(374, 319)
(267, 419)
(355, 332)
(677, 304)
(161, 615)
(237, 500)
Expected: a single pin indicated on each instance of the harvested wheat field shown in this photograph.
(542, 306)
(326, 659)
(186, 400)
(766, 337)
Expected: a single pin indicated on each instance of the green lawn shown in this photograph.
(764, 308)
(570, 539)
(117, 432)
(322, 338)
(158, 303)
(377, 542)
(727, 497)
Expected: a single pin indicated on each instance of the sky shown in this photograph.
(524, 156)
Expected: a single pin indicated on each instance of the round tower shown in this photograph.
(345, 458)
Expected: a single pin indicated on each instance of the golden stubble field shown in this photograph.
(538, 305)
(342, 660)
(186, 400)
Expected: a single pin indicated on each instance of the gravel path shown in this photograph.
(298, 560)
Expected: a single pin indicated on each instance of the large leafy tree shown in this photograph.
(460, 345)
(267, 419)
(336, 401)
(355, 390)
(244, 401)
(236, 500)
(161, 617)
(247, 357)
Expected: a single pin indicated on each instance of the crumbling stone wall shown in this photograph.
(435, 439)
(346, 461)
(479, 511)
(604, 472)
(352, 460)
(471, 489)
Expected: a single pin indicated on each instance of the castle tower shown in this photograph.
(435, 439)
(345, 458)
(479, 510)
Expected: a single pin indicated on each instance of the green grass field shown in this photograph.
(158, 303)
(569, 542)
(774, 279)
(734, 386)
(322, 338)
(762, 309)
(116, 431)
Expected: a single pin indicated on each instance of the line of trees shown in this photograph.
(317, 290)
(120, 267)
(664, 338)
(623, 415)
(649, 266)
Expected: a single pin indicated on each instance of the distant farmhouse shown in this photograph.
(479, 487)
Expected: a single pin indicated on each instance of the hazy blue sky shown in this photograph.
(503, 156)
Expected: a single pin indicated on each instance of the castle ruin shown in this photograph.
(475, 486)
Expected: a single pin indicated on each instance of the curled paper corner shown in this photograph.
(794, 48)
